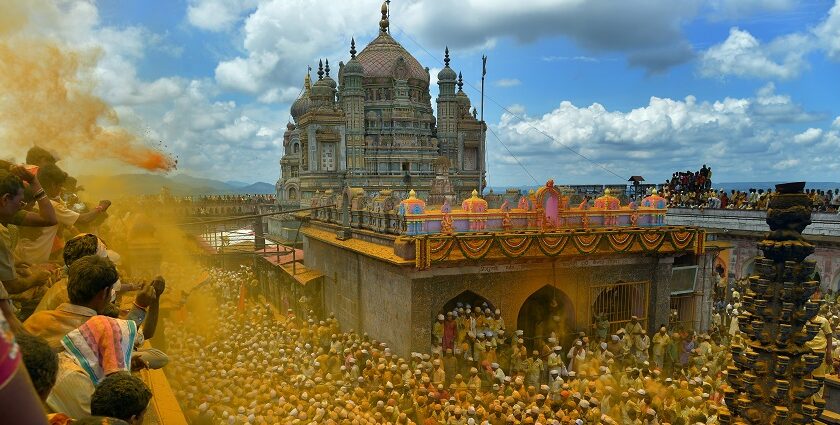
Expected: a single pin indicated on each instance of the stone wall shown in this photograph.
(744, 251)
(398, 304)
(365, 294)
(746, 220)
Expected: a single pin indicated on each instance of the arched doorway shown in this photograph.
(748, 268)
(546, 311)
(721, 267)
(464, 299)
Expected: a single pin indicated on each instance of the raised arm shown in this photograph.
(46, 214)
(94, 214)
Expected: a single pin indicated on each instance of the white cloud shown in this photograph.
(507, 82)
(779, 108)
(786, 164)
(742, 55)
(648, 30)
(828, 33)
(279, 41)
(217, 15)
(808, 136)
(220, 139)
(734, 135)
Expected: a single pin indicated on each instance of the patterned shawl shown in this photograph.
(101, 346)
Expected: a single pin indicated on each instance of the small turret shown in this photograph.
(446, 74)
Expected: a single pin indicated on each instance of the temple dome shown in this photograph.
(303, 103)
(300, 107)
(447, 74)
(353, 67)
(381, 58)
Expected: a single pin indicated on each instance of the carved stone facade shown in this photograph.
(374, 128)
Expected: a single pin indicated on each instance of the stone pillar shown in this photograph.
(775, 375)
(659, 302)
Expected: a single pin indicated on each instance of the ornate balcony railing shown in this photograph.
(459, 221)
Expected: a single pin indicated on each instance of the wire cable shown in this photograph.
(508, 111)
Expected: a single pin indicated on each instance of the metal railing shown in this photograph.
(619, 302)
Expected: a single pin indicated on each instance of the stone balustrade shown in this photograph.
(494, 220)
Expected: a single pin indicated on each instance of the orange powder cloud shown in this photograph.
(46, 99)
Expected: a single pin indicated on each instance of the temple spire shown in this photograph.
(352, 48)
(460, 82)
(327, 68)
(383, 24)
(446, 57)
(307, 81)
(320, 69)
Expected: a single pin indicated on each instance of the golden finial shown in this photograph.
(383, 24)
(654, 192)
(307, 81)
(412, 194)
(475, 193)
(607, 192)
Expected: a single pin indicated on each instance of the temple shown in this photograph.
(371, 125)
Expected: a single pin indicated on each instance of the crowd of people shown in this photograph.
(234, 199)
(687, 189)
(753, 199)
(72, 321)
(694, 190)
(249, 364)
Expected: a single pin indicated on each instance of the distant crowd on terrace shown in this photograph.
(694, 190)
(223, 199)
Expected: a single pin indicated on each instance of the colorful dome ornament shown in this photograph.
(607, 202)
(475, 205)
(412, 206)
(654, 201)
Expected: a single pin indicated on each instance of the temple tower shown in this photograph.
(447, 109)
(353, 103)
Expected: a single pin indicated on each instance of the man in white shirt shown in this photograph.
(36, 243)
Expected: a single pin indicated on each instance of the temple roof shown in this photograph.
(380, 59)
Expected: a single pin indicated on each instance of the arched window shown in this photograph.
(295, 148)
(292, 194)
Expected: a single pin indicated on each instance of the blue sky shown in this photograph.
(637, 87)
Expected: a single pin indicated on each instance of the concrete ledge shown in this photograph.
(164, 408)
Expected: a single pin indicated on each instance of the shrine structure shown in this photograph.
(391, 264)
